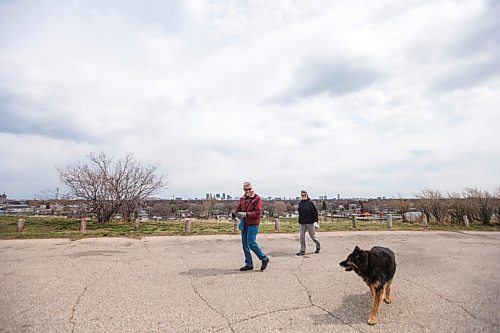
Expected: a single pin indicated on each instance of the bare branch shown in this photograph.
(108, 187)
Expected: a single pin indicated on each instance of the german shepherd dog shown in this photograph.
(377, 268)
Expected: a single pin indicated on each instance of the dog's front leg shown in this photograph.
(377, 297)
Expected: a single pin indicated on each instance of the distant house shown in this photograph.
(18, 209)
(143, 216)
(3, 198)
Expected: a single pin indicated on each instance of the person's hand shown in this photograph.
(316, 225)
(241, 215)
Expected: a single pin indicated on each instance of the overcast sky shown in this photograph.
(357, 98)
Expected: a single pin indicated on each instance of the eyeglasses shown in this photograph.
(247, 189)
(303, 195)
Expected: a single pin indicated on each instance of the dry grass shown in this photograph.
(38, 227)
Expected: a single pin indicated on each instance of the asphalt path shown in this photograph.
(445, 282)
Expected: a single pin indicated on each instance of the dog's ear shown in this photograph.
(357, 248)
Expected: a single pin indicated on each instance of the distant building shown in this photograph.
(143, 216)
(3, 198)
(18, 209)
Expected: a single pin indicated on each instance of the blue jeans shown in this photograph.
(249, 240)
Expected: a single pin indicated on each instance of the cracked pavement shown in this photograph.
(445, 281)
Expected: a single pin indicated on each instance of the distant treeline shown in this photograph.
(477, 205)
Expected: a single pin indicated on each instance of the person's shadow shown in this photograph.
(203, 272)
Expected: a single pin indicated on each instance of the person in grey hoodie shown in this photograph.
(308, 218)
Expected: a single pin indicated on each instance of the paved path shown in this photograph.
(445, 282)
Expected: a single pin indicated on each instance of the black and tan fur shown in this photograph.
(377, 268)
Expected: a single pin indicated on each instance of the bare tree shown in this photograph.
(432, 204)
(482, 202)
(277, 208)
(173, 208)
(497, 203)
(196, 208)
(107, 186)
(135, 182)
(291, 207)
(48, 194)
(402, 206)
(458, 207)
(208, 207)
(159, 208)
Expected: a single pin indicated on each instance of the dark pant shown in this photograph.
(312, 232)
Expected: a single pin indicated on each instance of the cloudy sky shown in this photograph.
(358, 98)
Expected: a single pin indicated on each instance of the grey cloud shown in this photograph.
(420, 152)
(16, 118)
(163, 13)
(476, 45)
(481, 34)
(334, 78)
(469, 75)
(316, 124)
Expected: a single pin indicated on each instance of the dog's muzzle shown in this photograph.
(347, 265)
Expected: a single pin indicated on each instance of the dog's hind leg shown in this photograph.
(377, 297)
(388, 297)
